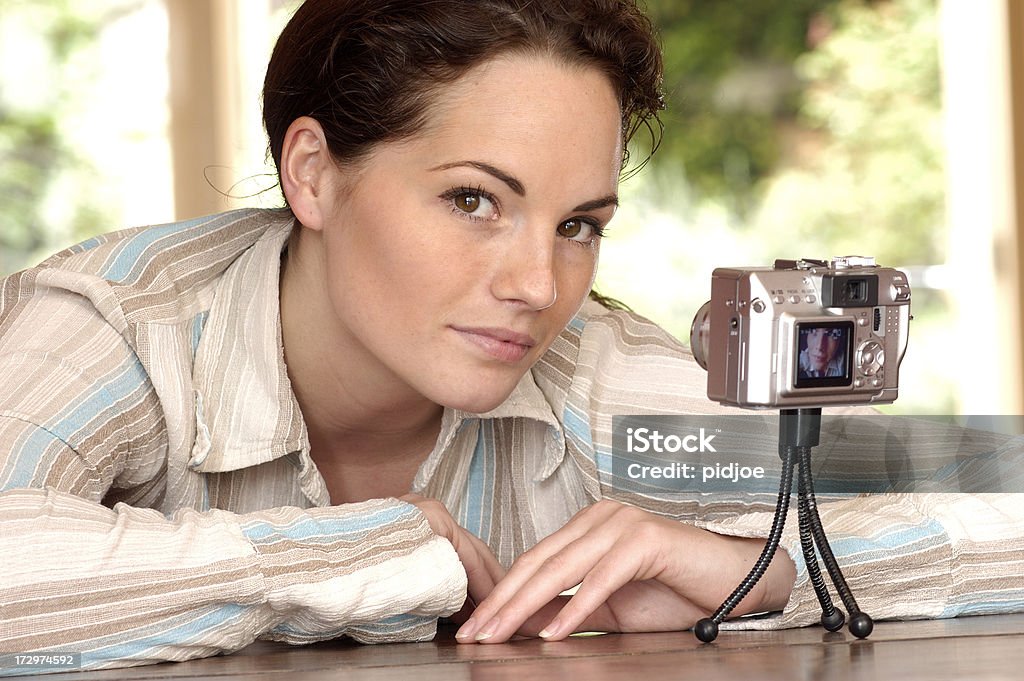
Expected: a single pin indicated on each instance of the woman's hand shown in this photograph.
(636, 571)
(483, 571)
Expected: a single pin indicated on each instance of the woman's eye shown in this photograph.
(472, 203)
(579, 230)
(467, 203)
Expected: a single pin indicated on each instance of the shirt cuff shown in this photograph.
(374, 571)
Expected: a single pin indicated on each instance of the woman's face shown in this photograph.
(456, 257)
(821, 348)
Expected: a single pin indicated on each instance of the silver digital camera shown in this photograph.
(804, 333)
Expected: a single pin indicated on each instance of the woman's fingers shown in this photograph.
(610, 574)
(494, 568)
(500, 616)
(582, 524)
(635, 572)
(522, 571)
(584, 551)
(483, 571)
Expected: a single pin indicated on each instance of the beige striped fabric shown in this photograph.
(158, 500)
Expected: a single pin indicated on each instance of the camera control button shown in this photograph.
(858, 383)
(870, 358)
(778, 300)
(758, 305)
(794, 299)
(811, 299)
(877, 382)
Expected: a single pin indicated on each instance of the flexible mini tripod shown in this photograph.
(799, 431)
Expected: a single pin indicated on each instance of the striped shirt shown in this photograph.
(158, 500)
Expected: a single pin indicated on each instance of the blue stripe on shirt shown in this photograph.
(109, 391)
(108, 394)
(877, 547)
(132, 254)
(480, 484)
(198, 324)
(325, 530)
(174, 632)
(1007, 602)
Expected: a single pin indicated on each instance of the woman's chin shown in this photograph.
(476, 401)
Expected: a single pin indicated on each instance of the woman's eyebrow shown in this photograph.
(513, 184)
(517, 186)
(597, 204)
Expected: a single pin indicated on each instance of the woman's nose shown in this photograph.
(526, 272)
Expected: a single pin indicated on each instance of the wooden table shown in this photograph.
(989, 648)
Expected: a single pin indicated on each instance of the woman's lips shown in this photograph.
(503, 345)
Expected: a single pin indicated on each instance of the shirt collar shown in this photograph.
(526, 401)
(246, 412)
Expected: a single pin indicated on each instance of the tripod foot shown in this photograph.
(835, 621)
(706, 630)
(861, 625)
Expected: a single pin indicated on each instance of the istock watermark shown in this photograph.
(861, 454)
(646, 440)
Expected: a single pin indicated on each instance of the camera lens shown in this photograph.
(700, 335)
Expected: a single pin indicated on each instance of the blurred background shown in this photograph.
(795, 128)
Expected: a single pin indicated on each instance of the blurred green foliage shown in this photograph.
(44, 181)
(730, 82)
(874, 100)
(811, 122)
(30, 154)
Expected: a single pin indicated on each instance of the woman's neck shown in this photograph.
(368, 430)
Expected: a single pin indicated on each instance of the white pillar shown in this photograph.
(204, 102)
(984, 349)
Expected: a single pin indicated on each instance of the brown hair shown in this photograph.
(366, 70)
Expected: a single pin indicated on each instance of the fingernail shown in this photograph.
(487, 630)
(551, 629)
(466, 630)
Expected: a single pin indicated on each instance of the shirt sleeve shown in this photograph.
(128, 586)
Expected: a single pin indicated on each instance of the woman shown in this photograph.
(823, 352)
(312, 416)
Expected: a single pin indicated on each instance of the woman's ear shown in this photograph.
(305, 171)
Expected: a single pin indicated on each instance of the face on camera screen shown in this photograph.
(823, 354)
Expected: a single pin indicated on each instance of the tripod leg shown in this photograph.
(861, 623)
(831, 618)
(706, 629)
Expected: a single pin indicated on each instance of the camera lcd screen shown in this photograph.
(824, 354)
